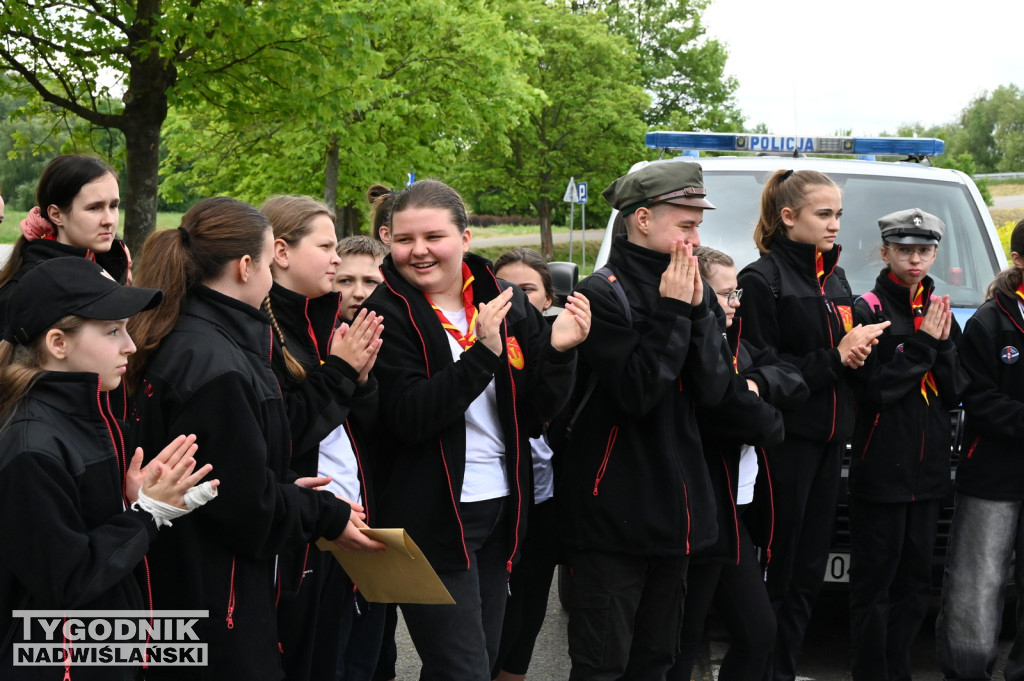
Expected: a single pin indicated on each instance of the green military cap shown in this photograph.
(678, 182)
(911, 226)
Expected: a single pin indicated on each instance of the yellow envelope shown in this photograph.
(399, 575)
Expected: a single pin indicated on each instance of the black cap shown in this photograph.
(678, 182)
(59, 287)
(911, 226)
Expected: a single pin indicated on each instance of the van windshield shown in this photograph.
(965, 264)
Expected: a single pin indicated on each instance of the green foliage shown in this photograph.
(410, 88)
(588, 124)
(964, 162)
(682, 70)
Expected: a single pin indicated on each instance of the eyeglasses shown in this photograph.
(905, 252)
(732, 296)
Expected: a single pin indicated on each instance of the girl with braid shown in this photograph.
(327, 372)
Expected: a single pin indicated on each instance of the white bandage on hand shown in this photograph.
(199, 494)
(163, 513)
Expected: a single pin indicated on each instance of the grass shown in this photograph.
(561, 253)
(1003, 215)
(1009, 188)
(517, 230)
(10, 231)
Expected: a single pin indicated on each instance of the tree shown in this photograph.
(588, 124)
(991, 130)
(681, 69)
(150, 54)
(436, 76)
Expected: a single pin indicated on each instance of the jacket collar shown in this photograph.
(70, 392)
(485, 285)
(801, 256)
(114, 261)
(638, 264)
(307, 322)
(248, 326)
(899, 292)
(1010, 306)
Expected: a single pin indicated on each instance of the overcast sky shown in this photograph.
(811, 67)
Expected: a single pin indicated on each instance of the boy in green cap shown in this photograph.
(633, 489)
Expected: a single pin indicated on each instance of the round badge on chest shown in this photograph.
(1009, 355)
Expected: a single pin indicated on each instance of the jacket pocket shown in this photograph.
(871, 434)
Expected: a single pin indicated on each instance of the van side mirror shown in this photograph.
(564, 276)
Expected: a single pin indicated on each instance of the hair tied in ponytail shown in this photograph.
(184, 236)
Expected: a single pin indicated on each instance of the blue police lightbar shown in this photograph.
(776, 144)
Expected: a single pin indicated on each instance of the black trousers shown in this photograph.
(891, 549)
(738, 595)
(529, 585)
(805, 479)
(625, 615)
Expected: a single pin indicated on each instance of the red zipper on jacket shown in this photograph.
(829, 305)
(771, 503)
(515, 423)
(309, 328)
(519, 491)
(359, 465)
(732, 503)
(686, 502)
(871, 434)
(612, 435)
(440, 441)
(970, 452)
(119, 454)
(230, 619)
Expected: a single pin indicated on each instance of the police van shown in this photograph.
(970, 257)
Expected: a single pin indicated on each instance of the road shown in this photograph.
(825, 658)
(1002, 202)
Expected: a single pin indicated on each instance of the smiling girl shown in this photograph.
(797, 301)
(76, 214)
(468, 371)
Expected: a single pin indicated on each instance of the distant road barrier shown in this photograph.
(1000, 176)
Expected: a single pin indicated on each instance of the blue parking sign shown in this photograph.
(581, 192)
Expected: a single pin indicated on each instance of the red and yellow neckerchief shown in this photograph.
(917, 309)
(465, 341)
(819, 265)
(1020, 291)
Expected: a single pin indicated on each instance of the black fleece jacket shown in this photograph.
(328, 397)
(745, 418)
(211, 376)
(901, 442)
(322, 401)
(424, 395)
(632, 478)
(115, 262)
(68, 542)
(992, 463)
(804, 322)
